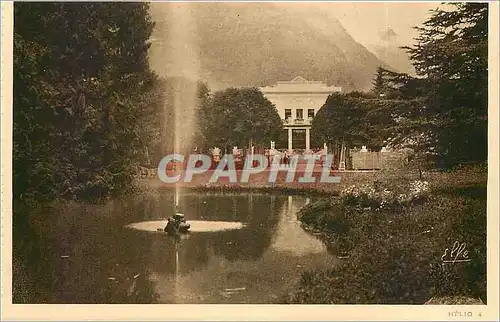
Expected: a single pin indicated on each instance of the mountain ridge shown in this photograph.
(260, 44)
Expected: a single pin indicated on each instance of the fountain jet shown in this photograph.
(177, 37)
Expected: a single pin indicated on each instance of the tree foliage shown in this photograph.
(357, 119)
(340, 119)
(379, 82)
(451, 54)
(83, 92)
(238, 117)
(394, 85)
(441, 112)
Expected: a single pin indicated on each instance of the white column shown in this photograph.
(342, 158)
(290, 139)
(308, 139)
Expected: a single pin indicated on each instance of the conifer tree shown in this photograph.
(83, 91)
(451, 54)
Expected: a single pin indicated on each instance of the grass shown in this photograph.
(394, 255)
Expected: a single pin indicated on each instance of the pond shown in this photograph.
(245, 248)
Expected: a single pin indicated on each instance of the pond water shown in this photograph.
(244, 248)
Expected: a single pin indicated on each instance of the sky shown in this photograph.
(366, 21)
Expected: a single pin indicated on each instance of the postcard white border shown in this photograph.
(55, 312)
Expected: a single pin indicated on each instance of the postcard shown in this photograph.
(250, 161)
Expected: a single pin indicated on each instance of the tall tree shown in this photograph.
(237, 117)
(339, 120)
(355, 119)
(82, 93)
(452, 55)
(379, 82)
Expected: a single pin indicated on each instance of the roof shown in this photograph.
(300, 85)
(299, 79)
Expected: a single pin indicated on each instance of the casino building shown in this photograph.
(297, 102)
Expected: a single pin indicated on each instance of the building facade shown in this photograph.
(297, 102)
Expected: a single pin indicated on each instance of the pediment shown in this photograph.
(299, 79)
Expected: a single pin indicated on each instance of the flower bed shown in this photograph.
(379, 196)
(391, 236)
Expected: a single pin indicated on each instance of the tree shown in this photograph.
(353, 119)
(379, 82)
(357, 119)
(337, 120)
(237, 117)
(452, 55)
(204, 95)
(442, 112)
(83, 91)
(413, 132)
(401, 119)
(394, 85)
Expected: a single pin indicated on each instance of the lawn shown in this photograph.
(392, 235)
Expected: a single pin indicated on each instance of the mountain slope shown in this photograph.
(254, 44)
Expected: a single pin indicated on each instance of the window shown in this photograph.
(288, 113)
(310, 113)
(300, 114)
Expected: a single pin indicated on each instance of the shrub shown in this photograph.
(395, 253)
(469, 278)
(384, 195)
(313, 214)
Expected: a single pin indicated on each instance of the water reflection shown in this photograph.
(289, 236)
(255, 264)
(109, 263)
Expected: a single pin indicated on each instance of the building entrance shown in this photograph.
(299, 139)
(282, 140)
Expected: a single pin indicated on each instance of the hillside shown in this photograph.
(254, 44)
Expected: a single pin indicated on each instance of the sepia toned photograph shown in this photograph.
(289, 153)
